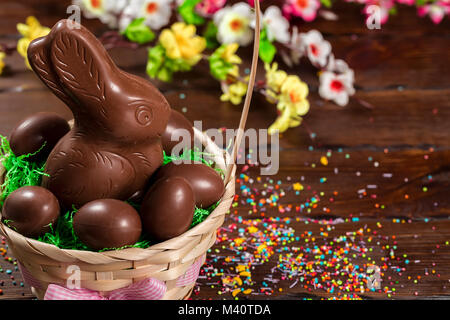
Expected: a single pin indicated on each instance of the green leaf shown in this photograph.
(326, 3)
(210, 34)
(162, 67)
(267, 50)
(218, 67)
(165, 75)
(138, 32)
(187, 12)
(155, 60)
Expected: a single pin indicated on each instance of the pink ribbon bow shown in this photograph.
(147, 289)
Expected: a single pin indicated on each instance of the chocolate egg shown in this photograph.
(30, 135)
(168, 208)
(177, 121)
(205, 181)
(107, 223)
(30, 211)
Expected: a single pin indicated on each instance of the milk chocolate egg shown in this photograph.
(30, 134)
(107, 223)
(205, 181)
(177, 121)
(168, 208)
(30, 211)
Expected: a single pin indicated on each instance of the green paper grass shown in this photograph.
(19, 173)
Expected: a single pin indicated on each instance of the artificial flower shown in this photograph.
(223, 62)
(233, 24)
(287, 119)
(407, 2)
(292, 104)
(138, 32)
(2, 63)
(436, 11)
(274, 77)
(208, 7)
(162, 67)
(337, 65)
(296, 49)
(187, 11)
(336, 87)
(305, 9)
(293, 95)
(181, 42)
(229, 53)
(384, 5)
(29, 31)
(106, 11)
(315, 47)
(233, 92)
(156, 13)
(276, 25)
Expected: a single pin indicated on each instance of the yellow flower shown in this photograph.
(292, 104)
(287, 119)
(181, 42)
(2, 63)
(229, 54)
(234, 92)
(274, 77)
(30, 31)
(293, 95)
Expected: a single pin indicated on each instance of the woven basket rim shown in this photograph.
(209, 144)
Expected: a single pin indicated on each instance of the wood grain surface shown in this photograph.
(382, 198)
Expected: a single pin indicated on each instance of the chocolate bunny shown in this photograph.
(115, 143)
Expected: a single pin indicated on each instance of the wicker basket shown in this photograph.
(111, 270)
(167, 261)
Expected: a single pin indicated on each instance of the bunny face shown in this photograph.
(138, 111)
(107, 103)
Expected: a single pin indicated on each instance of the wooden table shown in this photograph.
(383, 198)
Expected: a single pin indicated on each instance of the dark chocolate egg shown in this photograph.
(177, 121)
(30, 134)
(107, 223)
(30, 211)
(205, 181)
(168, 208)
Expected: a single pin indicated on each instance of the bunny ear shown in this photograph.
(81, 63)
(39, 58)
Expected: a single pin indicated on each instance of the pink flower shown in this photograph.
(305, 9)
(436, 11)
(252, 2)
(384, 5)
(208, 7)
(407, 2)
(336, 87)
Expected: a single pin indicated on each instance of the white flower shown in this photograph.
(336, 87)
(233, 24)
(156, 13)
(297, 49)
(106, 11)
(276, 25)
(316, 48)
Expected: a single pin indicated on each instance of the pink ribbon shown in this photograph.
(147, 289)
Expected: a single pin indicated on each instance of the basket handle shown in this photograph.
(248, 97)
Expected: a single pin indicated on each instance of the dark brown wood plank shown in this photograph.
(413, 258)
(399, 119)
